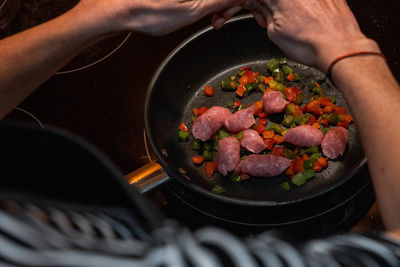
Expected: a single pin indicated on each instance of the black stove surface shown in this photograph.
(104, 102)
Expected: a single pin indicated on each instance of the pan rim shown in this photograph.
(199, 189)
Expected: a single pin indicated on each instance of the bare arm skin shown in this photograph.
(31, 57)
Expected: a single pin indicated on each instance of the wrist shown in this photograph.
(329, 52)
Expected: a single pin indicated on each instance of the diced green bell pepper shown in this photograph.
(217, 189)
(272, 65)
(196, 145)
(311, 150)
(299, 179)
(222, 134)
(240, 135)
(226, 84)
(287, 120)
(285, 186)
(290, 109)
(309, 173)
(183, 136)
(235, 177)
(275, 127)
(287, 70)
(208, 155)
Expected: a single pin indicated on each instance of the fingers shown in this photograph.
(219, 19)
(260, 19)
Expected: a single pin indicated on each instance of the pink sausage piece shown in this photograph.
(241, 120)
(263, 165)
(304, 135)
(228, 154)
(274, 102)
(335, 142)
(208, 124)
(252, 141)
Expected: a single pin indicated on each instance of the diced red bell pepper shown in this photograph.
(262, 115)
(324, 100)
(298, 165)
(259, 128)
(196, 112)
(290, 77)
(269, 143)
(236, 104)
(325, 122)
(343, 124)
(208, 91)
(296, 89)
(339, 110)
(347, 118)
(312, 120)
(268, 134)
(245, 68)
(251, 75)
(240, 90)
(278, 139)
(202, 110)
(290, 171)
(268, 79)
(278, 151)
(243, 80)
(323, 161)
(183, 127)
(317, 166)
(259, 107)
(210, 167)
(198, 160)
(291, 94)
(328, 109)
(262, 122)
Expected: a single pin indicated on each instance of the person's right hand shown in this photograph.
(314, 32)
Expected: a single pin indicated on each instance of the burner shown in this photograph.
(22, 115)
(34, 12)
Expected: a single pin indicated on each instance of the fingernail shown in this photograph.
(219, 23)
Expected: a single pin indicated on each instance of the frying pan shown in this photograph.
(178, 86)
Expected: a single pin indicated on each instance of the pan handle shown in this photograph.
(148, 177)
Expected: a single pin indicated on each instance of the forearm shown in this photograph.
(29, 58)
(374, 98)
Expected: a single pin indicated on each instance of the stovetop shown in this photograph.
(100, 94)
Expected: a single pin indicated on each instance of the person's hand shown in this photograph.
(155, 17)
(314, 32)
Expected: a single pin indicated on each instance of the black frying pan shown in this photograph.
(177, 87)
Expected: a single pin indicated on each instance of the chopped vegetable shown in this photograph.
(299, 179)
(210, 167)
(309, 173)
(202, 110)
(240, 90)
(183, 127)
(221, 134)
(208, 156)
(285, 186)
(217, 189)
(268, 134)
(208, 91)
(198, 160)
(183, 136)
(240, 135)
(196, 145)
(227, 84)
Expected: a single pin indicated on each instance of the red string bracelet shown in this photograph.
(328, 72)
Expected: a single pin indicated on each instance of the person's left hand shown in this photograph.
(155, 17)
